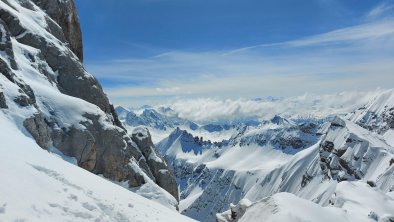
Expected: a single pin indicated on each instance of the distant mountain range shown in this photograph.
(319, 162)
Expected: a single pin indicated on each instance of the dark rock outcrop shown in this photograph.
(3, 103)
(38, 128)
(65, 14)
(163, 176)
(347, 155)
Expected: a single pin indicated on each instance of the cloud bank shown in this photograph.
(204, 110)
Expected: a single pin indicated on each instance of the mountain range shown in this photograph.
(322, 163)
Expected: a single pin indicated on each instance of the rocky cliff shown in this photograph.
(64, 13)
(45, 89)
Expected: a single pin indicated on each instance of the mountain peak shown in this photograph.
(278, 120)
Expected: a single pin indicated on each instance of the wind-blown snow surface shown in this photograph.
(352, 201)
(39, 186)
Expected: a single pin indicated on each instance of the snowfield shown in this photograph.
(352, 201)
(39, 186)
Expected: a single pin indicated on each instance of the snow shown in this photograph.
(352, 201)
(68, 110)
(285, 184)
(3, 37)
(389, 137)
(141, 132)
(245, 168)
(154, 157)
(244, 165)
(156, 134)
(359, 199)
(234, 171)
(323, 199)
(288, 207)
(38, 186)
(236, 211)
(66, 158)
(193, 196)
(33, 20)
(162, 124)
(48, 186)
(375, 114)
(249, 158)
(151, 190)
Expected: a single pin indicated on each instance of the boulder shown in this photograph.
(38, 128)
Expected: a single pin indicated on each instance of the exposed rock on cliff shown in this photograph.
(65, 14)
(49, 93)
(161, 173)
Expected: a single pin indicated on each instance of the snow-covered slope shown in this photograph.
(351, 201)
(378, 116)
(47, 94)
(214, 175)
(39, 186)
(346, 152)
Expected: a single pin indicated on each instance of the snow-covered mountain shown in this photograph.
(50, 105)
(350, 178)
(315, 160)
(228, 169)
(161, 121)
(352, 201)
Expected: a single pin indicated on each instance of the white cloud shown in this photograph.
(307, 105)
(355, 33)
(382, 9)
(353, 58)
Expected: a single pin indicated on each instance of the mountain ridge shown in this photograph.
(308, 158)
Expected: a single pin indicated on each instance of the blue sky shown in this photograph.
(152, 51)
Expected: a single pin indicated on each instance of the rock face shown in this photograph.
(347, 155)
(65, 14)
(377, 115)
(3, 104)
(38, 128)
(44, 83)
(160, 172)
